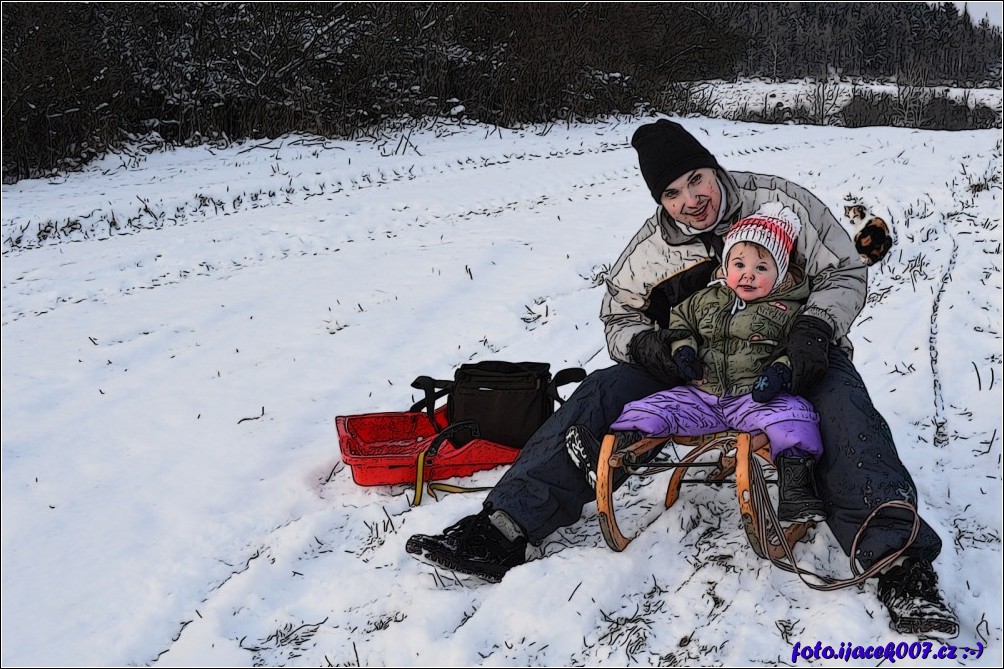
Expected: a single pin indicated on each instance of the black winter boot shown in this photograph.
(798, 499)
(472, 546)
(910, 592)
(584, 449)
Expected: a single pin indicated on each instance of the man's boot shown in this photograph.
(477, 545)
(910, 592)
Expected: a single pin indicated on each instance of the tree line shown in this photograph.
(80, 79)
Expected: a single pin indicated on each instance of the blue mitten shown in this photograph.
(774, 381)
(685, 359)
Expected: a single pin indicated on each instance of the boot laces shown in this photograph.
(475, 535)
(919, 580)
(466, 528)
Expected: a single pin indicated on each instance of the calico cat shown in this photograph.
(872, 237)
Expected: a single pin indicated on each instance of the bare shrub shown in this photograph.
(687, 97)
(771, 111)
(822, 102)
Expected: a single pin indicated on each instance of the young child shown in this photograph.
(724, 344)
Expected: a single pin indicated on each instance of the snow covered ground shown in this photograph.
(180, 329)
(725, 98)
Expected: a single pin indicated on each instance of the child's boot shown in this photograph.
(584, 449)
(799, 498)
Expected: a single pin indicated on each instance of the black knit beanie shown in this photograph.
(665, 152)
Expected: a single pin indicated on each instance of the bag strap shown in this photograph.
(434, 389)
(564, 377)
(448, 487)
(433, 448)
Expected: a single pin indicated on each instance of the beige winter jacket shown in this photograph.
(663, 265)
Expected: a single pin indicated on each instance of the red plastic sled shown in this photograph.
(384, 448)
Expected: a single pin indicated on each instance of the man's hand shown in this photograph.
(650, 349)
(687, 364)
(808, 348)
(775, 380)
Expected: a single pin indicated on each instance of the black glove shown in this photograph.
(808, 348)
(650, 349)
(774, 381)
(687, 363)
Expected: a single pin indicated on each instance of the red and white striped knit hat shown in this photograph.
(774, 227)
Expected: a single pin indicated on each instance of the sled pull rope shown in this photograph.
(433, 487)
(767, 516)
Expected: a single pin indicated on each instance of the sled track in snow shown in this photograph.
(134, 214)
(584, 181)
(940, 420)
(768, 147)
(280, 189)
(592, 182)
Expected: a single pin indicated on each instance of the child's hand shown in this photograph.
(687, 364)
(774, 381)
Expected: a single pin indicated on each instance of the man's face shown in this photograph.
(750, 271)
(694, 198)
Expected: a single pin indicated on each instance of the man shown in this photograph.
(672, 256)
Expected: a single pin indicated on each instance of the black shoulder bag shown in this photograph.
(507, 401)
(495, 401)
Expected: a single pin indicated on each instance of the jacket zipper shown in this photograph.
(726, 381)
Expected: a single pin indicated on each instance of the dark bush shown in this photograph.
(938, 112)
(943, 113)
(868, 108)
(984, 118)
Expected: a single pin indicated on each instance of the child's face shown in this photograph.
(750, 271)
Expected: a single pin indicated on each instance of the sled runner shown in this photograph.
(739, 454)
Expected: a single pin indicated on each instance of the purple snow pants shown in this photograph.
(790, 423)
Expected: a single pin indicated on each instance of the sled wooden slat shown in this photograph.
(605, 497)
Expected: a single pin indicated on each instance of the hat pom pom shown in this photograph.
(785, 213)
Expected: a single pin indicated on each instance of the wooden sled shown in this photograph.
(736, 453)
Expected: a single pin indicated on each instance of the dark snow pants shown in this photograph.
(860, 469)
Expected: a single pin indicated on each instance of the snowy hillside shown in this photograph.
(179, 330)
(725, 98)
